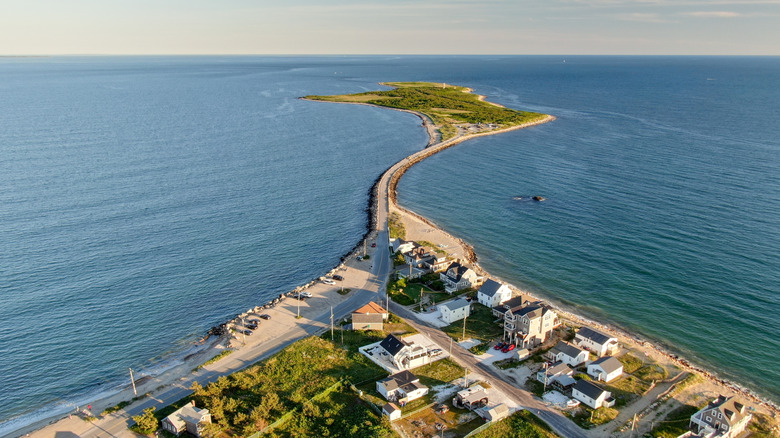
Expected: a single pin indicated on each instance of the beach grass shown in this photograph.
(630, 363)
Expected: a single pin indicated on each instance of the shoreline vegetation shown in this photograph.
(447, 126)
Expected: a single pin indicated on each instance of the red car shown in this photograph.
(499, 346)
(508, 348)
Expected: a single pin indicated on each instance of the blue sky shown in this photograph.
(645, 27)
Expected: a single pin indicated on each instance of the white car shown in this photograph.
(306, 294)
(328, 281)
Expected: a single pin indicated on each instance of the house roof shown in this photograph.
(567, 349)
(594, 335)
(512, 303)
(392, 344)
(490, 288)
(565, 380)
(608, 363)
(370, 308)
(589, 389)
(456, 304)
(559, 368)
(186, 414)
(390, 408)
(732, 410)
(398, 380)
(499, 410)
(460, 270)
(371, 318)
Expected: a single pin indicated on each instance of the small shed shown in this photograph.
(392, 411)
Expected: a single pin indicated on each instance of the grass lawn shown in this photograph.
(520, 424)
(479, 325)
(439, 372)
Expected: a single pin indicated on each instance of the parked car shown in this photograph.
(248, 332)
(329, 281)
(373, 245)
(306, 294)
(251, 326)
(499, 346)
(508, 348)
(338, 278)
(265, 316)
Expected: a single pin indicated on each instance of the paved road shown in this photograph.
(560, 424)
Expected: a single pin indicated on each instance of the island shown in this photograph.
(437, 348)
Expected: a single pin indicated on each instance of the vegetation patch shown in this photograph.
(630, 363)
(480, 349)
(479, 325)
(396, 226)
(344, 291)
(587, 418)
(627, 389)
(520, 424)
(446, 106)
(439, 372)
(247, 401)
(675, 423)
(652, 373)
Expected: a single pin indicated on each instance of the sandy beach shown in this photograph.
(285, 327)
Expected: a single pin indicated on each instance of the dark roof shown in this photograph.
(593, 335)
(531, 311)
(589, 389)
(392, 344)
(398, 380)
(390, 408)
(456, 304)
(608, 364)
(511, 303)
(459, 271)
(490, 288)
(567, 349)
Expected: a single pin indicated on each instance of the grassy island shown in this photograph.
(453, 110)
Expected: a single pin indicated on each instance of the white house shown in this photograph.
(455, 310)
(596, 341)
(458, 277)
(592, 395)
(724, 417)
(405, 355)
(392, 411)
(568, 354)
(402, 387)
(186, 418)
(493, 293)
(605, 369)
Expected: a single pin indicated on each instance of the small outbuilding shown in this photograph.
(496, 413)
(592, 395)
(392, 411)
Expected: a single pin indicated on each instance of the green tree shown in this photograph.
(146, 423)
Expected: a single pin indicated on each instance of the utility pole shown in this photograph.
(633, 424)
(464, 327)
(466, 378)
(132, 380)
(450, 347)
(299, 304)
(545, 378)
(331, 323)
(364, 247)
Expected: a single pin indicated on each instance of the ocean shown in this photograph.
(145, 199)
